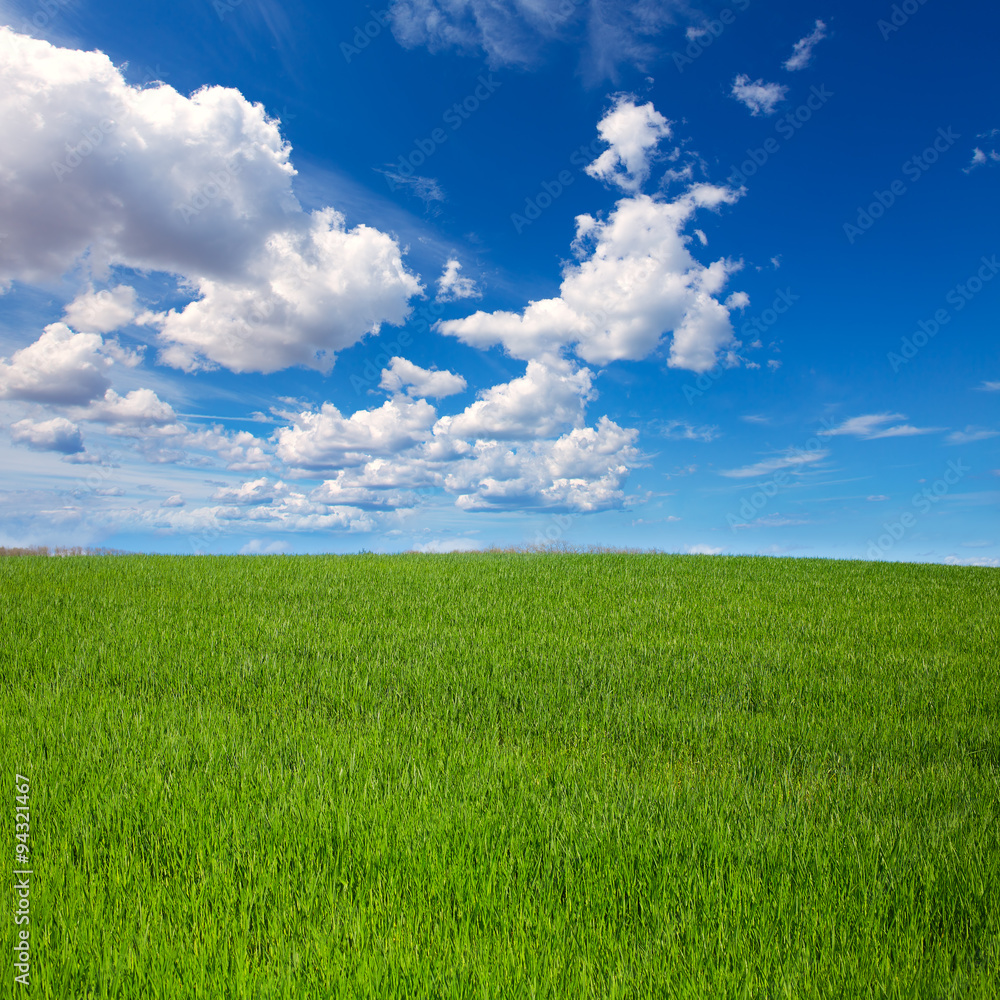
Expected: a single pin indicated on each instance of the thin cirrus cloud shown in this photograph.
(802, 51)
(872, 426)
(515, 32)
(790, 460)
(760, 97)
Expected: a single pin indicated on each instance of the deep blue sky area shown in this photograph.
(440, 275)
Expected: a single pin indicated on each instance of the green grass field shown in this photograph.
(504, 775)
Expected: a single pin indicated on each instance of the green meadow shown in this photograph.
(503, 775)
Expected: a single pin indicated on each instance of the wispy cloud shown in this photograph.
(681, 430)
(989, 387)
(790, 460)
(871, 426)
(761, 98)
(802, 52)
(971, 434)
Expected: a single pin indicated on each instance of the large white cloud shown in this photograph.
(405, 376)
(636, 282)
(61, 367)
(327, 439)
(543, 402)
(523, 443)
(632, 133)
(102, 311)
(200, 187)
(58, 434)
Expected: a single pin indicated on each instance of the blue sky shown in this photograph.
(455, 273)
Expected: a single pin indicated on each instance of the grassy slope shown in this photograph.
(506, 775)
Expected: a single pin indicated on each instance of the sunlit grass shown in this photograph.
(506, 775)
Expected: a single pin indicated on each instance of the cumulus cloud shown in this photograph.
(704, 550)
(543, 402)
(173, 501)
(102, 311)
(405, 376)
(140, 407)
(803, 50)
(632, 133)
(58, 434)
(327, 439)
(452, 286)
(523, 443)
(871, 426)
(199, 187)
(761, 98)
(636, 282)
(60, 367)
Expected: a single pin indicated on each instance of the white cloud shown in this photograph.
(103, 311)
(871, 426)
(543, 402)
(58, 434)
(327, 439)
(448, 545)
(681, 430)
(971, 561)
(452, 287)
(260, 547)
(790, 460)
(632, 132)
(513, 32)
(173, 501)
(802, 52)
(704, 550)
(60, 367)
(140, 407)
(637, 283)
(405, 376)
(990, 387)
(199, 187)
(971, 434)
(759, 97)
(257, 491)
(427, 189)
